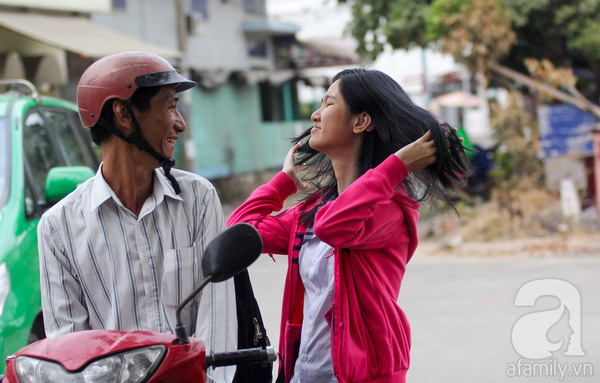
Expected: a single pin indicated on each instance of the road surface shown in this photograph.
(462, 315)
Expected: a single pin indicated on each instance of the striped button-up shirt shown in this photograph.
(104, 268)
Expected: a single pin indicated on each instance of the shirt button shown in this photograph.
(318, 292)
(305, 358)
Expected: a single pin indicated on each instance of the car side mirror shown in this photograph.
(62, 180)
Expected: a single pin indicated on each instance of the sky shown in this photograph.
(316, 18)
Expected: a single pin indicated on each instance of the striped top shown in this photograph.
(104, 268)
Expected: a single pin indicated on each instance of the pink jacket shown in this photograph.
(372, 226)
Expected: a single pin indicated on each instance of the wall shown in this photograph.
(221, 43)
(230, 136)
(153, 21)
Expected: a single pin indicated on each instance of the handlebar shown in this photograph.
(249, 356)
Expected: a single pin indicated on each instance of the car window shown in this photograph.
(84, 134)
(39, 151)
(29, 201)
(4, 160)
(73, 149)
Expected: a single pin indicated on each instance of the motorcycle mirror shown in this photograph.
(227, 255)
(231, 252)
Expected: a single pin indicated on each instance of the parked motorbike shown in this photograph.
(142, 356)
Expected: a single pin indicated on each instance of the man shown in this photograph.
(124, 249)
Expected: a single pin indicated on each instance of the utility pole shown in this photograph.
(426, 88)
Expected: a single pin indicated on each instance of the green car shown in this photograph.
(44, 154)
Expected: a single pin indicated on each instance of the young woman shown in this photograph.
(348, 243)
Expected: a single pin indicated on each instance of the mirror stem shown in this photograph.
(180, 331)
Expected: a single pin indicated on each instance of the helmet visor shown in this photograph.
(165, 78)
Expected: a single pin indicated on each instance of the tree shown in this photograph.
(400, 23)
(477, 33)
(503, 39)
(564, 32)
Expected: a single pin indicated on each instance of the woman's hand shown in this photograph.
(417, 155)
(291, 170)
(420, 154)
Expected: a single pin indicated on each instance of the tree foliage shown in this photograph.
(475, 32)
(478, 32)
(400, 23)
(519, 144)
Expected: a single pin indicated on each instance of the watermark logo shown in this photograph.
(531, 334)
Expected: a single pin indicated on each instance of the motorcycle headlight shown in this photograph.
(128, 367)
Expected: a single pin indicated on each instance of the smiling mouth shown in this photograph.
(171, 140)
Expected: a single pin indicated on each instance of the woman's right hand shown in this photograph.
(291, 170)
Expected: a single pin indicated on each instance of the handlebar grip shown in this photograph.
(249, 356)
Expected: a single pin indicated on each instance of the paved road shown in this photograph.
(462, 315)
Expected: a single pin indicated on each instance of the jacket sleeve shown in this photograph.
(63, 306)
(274, 229)
(364, 216)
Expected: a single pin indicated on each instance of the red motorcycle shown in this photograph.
(141, 356)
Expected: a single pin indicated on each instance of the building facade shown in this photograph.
(249, 68)
(245, 110)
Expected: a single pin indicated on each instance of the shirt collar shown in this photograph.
(101, 190)
(163, 187)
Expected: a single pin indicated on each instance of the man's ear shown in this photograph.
(363, 123)
(122, 119)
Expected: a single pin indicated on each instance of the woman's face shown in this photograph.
(332, 130)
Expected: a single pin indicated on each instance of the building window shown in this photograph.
(119, 4)
(256, 7)
(279, 102)
(271, 98)
(257, 48)
(199, 7)
(197, 13)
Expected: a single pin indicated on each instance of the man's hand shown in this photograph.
(291, 170)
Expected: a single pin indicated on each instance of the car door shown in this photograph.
(52, 137)
(37, 138)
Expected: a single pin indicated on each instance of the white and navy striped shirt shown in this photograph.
(104, 268)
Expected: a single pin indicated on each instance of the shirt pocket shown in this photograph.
(181, 275)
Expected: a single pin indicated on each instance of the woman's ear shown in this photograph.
(363, 123)
(122, 119)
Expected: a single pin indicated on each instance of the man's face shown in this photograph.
(162, 124)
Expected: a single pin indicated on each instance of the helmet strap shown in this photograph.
(140, 142)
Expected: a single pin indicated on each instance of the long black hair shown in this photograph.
(398, 122)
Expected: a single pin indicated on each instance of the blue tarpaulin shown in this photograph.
(565, 130)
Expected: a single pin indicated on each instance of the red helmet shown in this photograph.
(118, 76)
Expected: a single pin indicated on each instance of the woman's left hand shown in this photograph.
(419, 154)
(422, 153)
